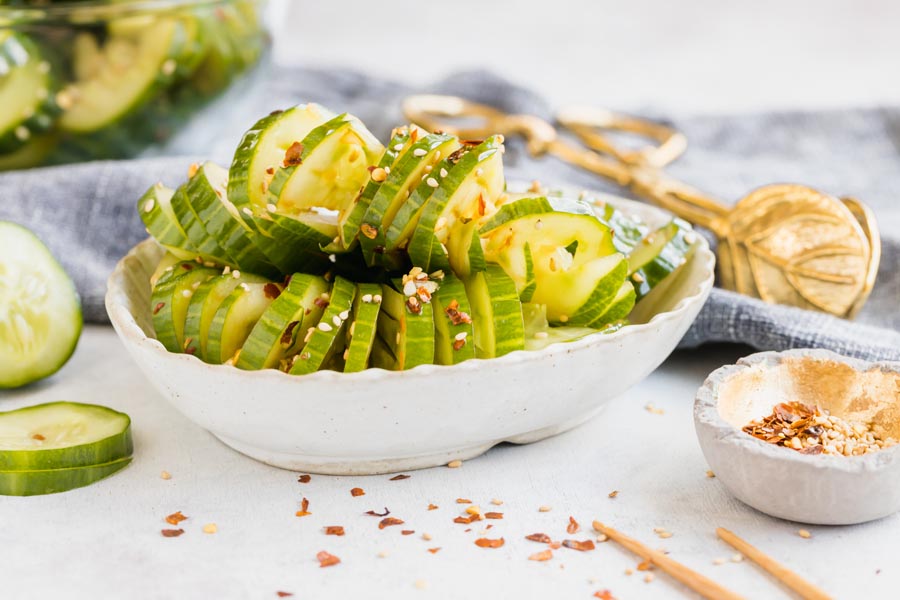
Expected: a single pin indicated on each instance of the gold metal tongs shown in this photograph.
(783, 243)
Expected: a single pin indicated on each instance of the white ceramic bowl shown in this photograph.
(820, 489)
(377, 421)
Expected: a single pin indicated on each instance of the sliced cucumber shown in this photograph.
(327, 339)
(619, 308)
(454, 330)
(280, 331)
(203, 306)
(206, 245)
(262, 150)
(627, 231)
(155, 209)
(235, 319)
(26, 92)
(659, 254)
(170, 300)
(406, 335)
(445, 235)
(571, 260)
(410, 170)
(361, 333)
(498, 322)
(539, 334)
(40, 314)
(61, 435)
(127, 72)
(295, 243)
(52, 481)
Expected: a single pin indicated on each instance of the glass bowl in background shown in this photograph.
(91, 80)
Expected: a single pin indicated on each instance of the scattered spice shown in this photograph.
(539, 537)
(710, 474)
(454, 464)
(804, 534)
(583, 546)
(433, 507)
(388, 522)
(473, 510)
(372, 513)
(175, 518)
(368, 231)
(488, 543)
(399, 477)
(541, 556)
(407, 531)
(304, 506)
(293, 156)
(463, 501)
(809, 429)
(604, 595)
(210, 528)
(645, 565)
(493, 515)
(287, 339)
(736, 558)
(271, 291)
(334, 530)
(284, 594)
(467, 520)
(159, 306)
(327, 560)
(648, 577)
(172, 532)
(434, 550)
(573, 526)
(719, 561)
(165, 475)
(38, 437)
(304, 479)
(421, 584)
(427, 537)
(355, 492)
(614, 493)
(496, 502)
(544, 508)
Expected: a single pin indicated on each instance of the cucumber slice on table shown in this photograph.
(26, 92)
(52, 481)
(40, 314)
(155, 209)
(170, 300)
(445, 234)
(361, 333)
(498, 322)
(235, 319)
(327, 339)
(659, 255)
(203, 306)
(570, 264)
(62, 435)
(454, 331)
(280, 331)
(405, 336)
(409, 171)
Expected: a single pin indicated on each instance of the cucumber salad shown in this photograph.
(321, 248)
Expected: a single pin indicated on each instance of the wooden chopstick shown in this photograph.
(803, 588)
(702, 585)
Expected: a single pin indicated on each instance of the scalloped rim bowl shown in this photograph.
(820, 489)
(378, 421)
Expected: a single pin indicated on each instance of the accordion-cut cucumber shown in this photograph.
(155, 209)
(40, 313)
(25, 92)
(445, 235)
(280, 331)
(627, 232)
(327, 339)
(498, 322)
(262, 151)
(454, 331)
(407, 336)
(539, 334)
(235, 319)
(170, 300)
(295, 243)
(659, 255)
(409, 171)
(61, 435)
(361, 333)
(203, 305)
(206, 245)
(52, 481)
(619, 308)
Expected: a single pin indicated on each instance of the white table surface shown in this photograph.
(104, 541)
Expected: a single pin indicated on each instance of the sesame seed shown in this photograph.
(168, 67)
(710, 474)
(398, 147)
(454, 464)
(719, 561)
(149, 204)
(210, 264)
(409, 289)
(479, 172)
(246, 210)
(629, 571)
(271, 208)
(803, 532)
(226, 270)
(421, 584)
(563, 318)
(690, 237)
(165, 475)
(541, 335)
(432, 182)
(337, 321)
(22, 133)
(324, 327)
(344, 315)
(210, 528)
(382, 554)
(419, 152)
(428, 168)
(443, 172)
(186, 293)
(245, 287)
(309, 333)
(367, 298)
(736, 558)
(236, 274)
(440, 224)
(379, 174)
(427, 537)
(437, 156)
(387, 170)
(602, 538)
(332, 258)
(637, 277)
(497, 502)
(376, 298)
(544, 508)
(648, 577)
(461, 335)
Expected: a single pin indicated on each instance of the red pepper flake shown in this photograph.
(287, 338)
(407, 531)
(580, 546)
(284, 594)
(192, 350)
(368, 231)
(573, 526)
(334, 530)
(467, 520)
(158, 307)
(372, 513)
(304, 479)
(389, 521)
(493, 515)
(172, 532)
(399, 477)
(457, 317)
(539, 537)
(604, 595)
(357, 492)
(304, 506)
(541, 556)
(459, 344)
(175, 518)
(271, 291)
(38, 437)
(188, 266)
(321, 302)
(327, 560)
(645, 565)
(433, 507)
(434, 550)
(489, 525)
(414, 306)
(488, 543)
(294, 155)
(270, 171)
(555, 545)
(463, 501)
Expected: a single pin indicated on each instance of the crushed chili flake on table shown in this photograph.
(493, 515)
(433, 507)
(399, 477)
(334, 530)
(372, 513)
(467, 520)
(389, 522)
(645, 565)
(604, 595)
(407, 532)
(573, 526)
(357, 492)
(809, 429)
(284, 594)
(614, 493)
(172, 532)
(327, 560)
(539, 537)
(488, 543)
(304, 479)
(434, 550)
(580, 546)
(175, 518)
(463, 501)
(304, 506)
(541, 556)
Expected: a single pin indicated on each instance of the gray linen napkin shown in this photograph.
(86, 213)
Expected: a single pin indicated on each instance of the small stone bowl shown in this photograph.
(819, 489)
